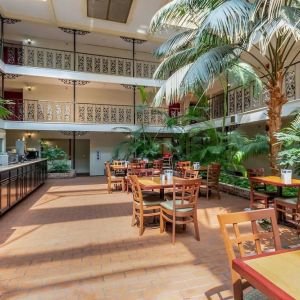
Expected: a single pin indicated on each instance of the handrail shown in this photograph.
(85, 53)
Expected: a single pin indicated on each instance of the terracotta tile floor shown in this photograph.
(71, 240)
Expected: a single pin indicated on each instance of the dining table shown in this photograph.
(275, 274)
(156, 183)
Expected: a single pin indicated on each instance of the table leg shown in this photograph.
(238, 290)
(281, 217)
(161, 194)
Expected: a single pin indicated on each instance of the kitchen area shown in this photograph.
(21, 172)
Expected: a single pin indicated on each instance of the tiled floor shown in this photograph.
(71, 240)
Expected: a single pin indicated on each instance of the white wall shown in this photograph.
(86, 146)
(101, 94)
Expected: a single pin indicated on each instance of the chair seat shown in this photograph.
(254, 294)
(292, 201)
(263, 195)
(114, 178)
(152, 202)
(169, 205)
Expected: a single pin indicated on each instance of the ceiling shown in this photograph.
(25, 29)
(25, 81)
(110, 10)
(73, 14)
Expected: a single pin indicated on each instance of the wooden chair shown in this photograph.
(181, 166)
(157, 164)
(142, 206)
(119, 167)
(113, 180)
(259, 190)
(238, 243)
(212, 180)
(190, 174)
(291, 206)
(183, 208)
(139, 173)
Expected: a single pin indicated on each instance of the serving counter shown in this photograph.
(19, 180)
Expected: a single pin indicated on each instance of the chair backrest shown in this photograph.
(185, 193)
(140, 172)
(136, 189)
(157, 164)
(107, 170)
(242, 241)
(193, 174)
(255, 172)
(118, 163)
(213, 173)
(136, 165)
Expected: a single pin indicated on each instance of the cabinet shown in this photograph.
(18, 182)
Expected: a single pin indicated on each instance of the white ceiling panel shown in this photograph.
(28, 9)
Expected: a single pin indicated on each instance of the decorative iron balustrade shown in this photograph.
(64, 60)
(90, 113)
(245, 99)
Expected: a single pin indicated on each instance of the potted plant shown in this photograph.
(58, 165)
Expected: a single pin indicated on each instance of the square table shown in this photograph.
(155, 183)
(275, 274)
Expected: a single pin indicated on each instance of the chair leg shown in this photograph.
(109, 187)
(207, 193)
(123, 185)
(196, 225)
(173, 229)
(161, 222)
(141, 224)
(218, 190)
(133, 222)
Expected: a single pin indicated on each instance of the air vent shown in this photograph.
(110, 10)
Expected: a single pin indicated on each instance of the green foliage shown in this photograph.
(58, 166)
(243, 182)
(53, 153)
(289, 137)
(4, 112)
(139, 143)
(57, 159)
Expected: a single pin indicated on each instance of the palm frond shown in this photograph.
(176, 43)
(230, 20)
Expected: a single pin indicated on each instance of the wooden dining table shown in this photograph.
(155, 183)
(275, 274)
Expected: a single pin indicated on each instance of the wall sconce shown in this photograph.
(29, 88)
(28, 41)
(29, 135)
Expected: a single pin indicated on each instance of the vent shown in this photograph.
(110, 10)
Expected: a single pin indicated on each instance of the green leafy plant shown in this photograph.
(57, 159)
(235, 42)
(289, 137)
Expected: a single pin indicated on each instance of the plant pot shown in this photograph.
(70, 174)
(286, 176)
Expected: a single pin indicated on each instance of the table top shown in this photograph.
(155, 182)
(275, 180)
(274, 274)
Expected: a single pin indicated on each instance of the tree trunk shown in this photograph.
(276, 101)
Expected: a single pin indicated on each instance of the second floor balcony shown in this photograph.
(86, 113)
(30, 56)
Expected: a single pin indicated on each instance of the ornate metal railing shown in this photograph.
(64, 60)
(245, 99)
(90, 113)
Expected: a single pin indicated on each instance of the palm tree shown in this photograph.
(219, 39)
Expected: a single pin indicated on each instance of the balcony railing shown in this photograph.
(64, 60)
(245, 99)
(90, 113)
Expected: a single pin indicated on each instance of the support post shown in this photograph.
(74, 103)
(2, 38)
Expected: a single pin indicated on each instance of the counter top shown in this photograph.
(18, 165)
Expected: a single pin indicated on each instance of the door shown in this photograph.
(16, 106)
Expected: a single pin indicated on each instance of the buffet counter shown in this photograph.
(19, 180)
